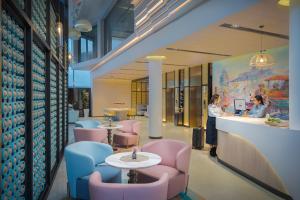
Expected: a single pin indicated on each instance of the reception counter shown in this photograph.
(265, 154)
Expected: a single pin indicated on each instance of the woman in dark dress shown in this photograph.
(214, 110)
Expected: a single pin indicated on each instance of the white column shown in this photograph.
(155, 97)
(294, 65)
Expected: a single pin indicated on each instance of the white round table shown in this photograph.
(120, 160)
(109, 129)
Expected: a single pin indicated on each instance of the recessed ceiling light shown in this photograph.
(284, 2)
(156, 57)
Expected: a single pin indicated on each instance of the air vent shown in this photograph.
(251, 30)
(199, 52)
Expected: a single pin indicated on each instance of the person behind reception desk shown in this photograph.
(259, 108)
(214, 110)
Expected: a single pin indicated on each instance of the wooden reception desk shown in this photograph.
(267, 155)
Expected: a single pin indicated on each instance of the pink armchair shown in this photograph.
(175, 162)
(128, 135)
(114, 191)
(90, 134)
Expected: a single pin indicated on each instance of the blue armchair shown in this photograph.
(73, 115)
(87, 123)
(84, 158)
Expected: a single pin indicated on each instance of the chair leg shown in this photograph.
(68, 191)
(187, 184)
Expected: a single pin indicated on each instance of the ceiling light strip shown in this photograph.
(168, 64)
(252, 30)
(199, 52)
(135, 39)
(149, 12)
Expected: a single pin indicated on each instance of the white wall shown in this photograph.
(107, 93)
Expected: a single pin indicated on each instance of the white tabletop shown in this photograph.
(117, 126)
(115, 160)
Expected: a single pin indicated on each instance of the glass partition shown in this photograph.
(118, 25)
(139, 96)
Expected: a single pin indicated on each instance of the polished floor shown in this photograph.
(209, 179)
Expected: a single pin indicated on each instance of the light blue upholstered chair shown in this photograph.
(84, 158)
(90, 123)
(73, 115)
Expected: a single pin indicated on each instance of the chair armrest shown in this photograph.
(183, 159)
(78, 165)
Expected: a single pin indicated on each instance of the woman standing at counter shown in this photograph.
(214, 110)
(259, 108)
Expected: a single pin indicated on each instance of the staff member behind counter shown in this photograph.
(214, 110)
(259, 108)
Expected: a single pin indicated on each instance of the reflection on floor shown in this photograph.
(209, 179)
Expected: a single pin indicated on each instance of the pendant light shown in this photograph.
(262, 59)
(83, 25)
(284, 2)
(60, 31)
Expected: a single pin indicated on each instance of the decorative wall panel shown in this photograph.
(13, 110)
(38, 116)
(53, 115)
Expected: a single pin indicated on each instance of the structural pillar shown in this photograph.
(294, 65)
(155, 96)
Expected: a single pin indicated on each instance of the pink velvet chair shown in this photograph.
(175, 161)
(90, 134)
(114, 191)
(128, 135)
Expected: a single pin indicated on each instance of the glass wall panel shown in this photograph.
(170, 79)
(204, 105)
(133, 86)
(133, 103)
(170, 106)
(139, 96)
(177, 78)
(186, 106)
(118, 25)
(195, 106)
(164, 85)
(187, 77)
(205, 74)
(139, 86)
(164, 117)
(195, 76)
(80, 98)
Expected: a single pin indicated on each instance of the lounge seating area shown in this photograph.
(95, 178)
(149, 100)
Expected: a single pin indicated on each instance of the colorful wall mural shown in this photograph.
(233, 78)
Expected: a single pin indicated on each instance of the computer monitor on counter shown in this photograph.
(239, 106)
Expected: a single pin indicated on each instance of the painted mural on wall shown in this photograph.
(233, 78)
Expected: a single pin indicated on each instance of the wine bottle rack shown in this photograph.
(60, 51)
(20, 3)
(38, 116)
(13, 110)
(31, 129)
(66, 107)
(53, 113)
(39, 16)
(60, 89)
(53, 33)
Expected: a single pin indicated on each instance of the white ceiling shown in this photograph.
(219, 40)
